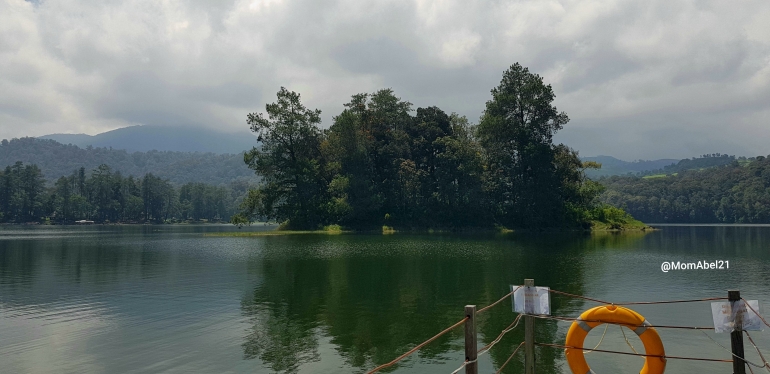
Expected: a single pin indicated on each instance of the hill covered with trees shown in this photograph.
(695, 163)
(162, 138)
(382, 163)
(613, 166)
(738, 192)
(104, 195)
(56, 160)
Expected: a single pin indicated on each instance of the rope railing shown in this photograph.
(415, 349)
(580, 297)
(498, 301)
(516, 321)
(588, 350)
(505, 331)
(486, 348)
(672, 301)
(755, 312)
(637, 302)
(571, 319)
(761, 356)
(561, 346)
(466, 362)
(509, 358)
(731, 353)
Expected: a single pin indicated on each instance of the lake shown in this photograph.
(170, 299)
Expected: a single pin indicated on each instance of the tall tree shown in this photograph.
(6, 192)
(100, 187)
(64, 199)
(458, 195)
(289, 162)
(32, 186)
(516, 131)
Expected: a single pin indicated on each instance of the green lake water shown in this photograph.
(169, 299)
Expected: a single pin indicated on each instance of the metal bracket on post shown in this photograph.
(529, 331)
(471, 349)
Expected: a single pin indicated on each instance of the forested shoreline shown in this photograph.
(103, 195)
(383, 164)
(57, 160)
(738, 192)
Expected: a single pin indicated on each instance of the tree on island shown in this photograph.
(531, 181)
(289, 161)
(380, 165)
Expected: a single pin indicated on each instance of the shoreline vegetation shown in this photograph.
(105, 196)
(730, 191)
(629, 225)
(608, 223)
(384, 167)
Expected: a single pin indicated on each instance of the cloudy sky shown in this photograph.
(640, 79)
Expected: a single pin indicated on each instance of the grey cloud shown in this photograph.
(639, 79)
(661, 137)
(715, 63)
(147, 98)
(463, 89)
(376, 56)
(144, 97)
(605, 65)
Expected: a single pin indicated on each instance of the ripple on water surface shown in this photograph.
(169, 299)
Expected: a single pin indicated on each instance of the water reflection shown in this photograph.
(155, 299)
(377, 297)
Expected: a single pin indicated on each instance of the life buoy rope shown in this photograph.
(616, 315)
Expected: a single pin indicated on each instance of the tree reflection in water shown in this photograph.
(275, 338)
(376, 297)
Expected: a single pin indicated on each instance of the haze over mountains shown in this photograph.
(179, 154)
(614, 166)
(163, 138)
(190, 154)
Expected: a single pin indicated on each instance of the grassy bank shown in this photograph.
(596, 226)
(633, 225)
(279, 231)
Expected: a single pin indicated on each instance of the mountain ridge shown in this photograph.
(56, 160)
(615, 166)
(144, 138)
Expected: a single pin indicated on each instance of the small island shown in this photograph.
(384, 166)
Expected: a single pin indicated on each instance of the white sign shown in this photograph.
(724, 316)
(531, 300)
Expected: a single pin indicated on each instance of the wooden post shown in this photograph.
(736, 337)
(529, 332)
(471, 353)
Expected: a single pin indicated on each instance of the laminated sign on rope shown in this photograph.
(655, 361)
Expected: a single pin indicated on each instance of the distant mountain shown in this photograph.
(162, 138)
(697, 163)
(80, 140)
(614, 166)
(713, 188)
(56, 160)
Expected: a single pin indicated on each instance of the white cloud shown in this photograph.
(630, 70)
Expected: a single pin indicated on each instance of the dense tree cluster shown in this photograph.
(695, 163)
(57, 160)
(383, 163)
(104, 195)
(21, 192)
(734, 193)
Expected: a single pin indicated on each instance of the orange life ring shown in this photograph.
(617, 315)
